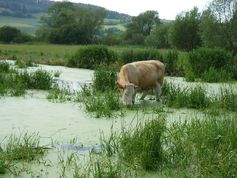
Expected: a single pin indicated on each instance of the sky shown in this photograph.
(167, 9)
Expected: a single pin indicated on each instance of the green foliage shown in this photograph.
(41, 79)
(216, 75)
(10, 34)
(185, 31)
(24, 64)
(170, 60)
(204, 147)
(177, 97)
(15, 83)
(141, 27)
(227, 99)
(104, 79)
(142, 146)
(101, 104)
(159, 37)
(59, 95)
(67, 23)
(211, 31)
(91, 56)
(4, 67)
(19, 147)
(132, 55)
(207, 63)
(101, 97)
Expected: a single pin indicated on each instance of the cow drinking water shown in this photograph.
(142, 74)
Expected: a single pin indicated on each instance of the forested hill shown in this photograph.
(25, 8)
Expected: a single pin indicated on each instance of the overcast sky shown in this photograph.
(168, 9)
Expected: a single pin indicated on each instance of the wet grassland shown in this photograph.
(199, 143)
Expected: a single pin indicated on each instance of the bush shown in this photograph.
(10, 34)
(132, 55)
(202, 59)
(92, 56)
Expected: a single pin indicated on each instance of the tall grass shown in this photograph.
(203, 147)
(143, 145)
(175, 96)
(102, 97)
(15, 83)
(101, 104)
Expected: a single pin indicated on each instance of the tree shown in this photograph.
(141, 26)
(185, 30)
(159, 37)
(71, 24)
(211, 31)
(10, 34)
(224, 12)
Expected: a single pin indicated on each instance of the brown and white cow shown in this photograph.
(142, 74)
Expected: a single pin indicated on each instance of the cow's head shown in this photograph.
(128, 93)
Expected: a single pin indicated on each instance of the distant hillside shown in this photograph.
(23, 8)
(26, 14)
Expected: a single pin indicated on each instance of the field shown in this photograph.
(28, 25)
(58, 121)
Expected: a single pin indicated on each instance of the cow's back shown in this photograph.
(144, 74)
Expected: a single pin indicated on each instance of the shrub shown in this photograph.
(92, 56)
(132, 55)
(8, 34)
(202, 59)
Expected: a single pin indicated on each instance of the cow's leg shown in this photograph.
(144, 93)
(158, 91)
(133, 98)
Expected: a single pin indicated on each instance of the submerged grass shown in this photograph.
(19, 147)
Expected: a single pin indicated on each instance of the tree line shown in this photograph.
(68, 23)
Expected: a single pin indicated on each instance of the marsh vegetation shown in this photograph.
(189, 145)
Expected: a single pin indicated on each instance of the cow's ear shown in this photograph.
(120, 85)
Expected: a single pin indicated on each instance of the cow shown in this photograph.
(141, 74)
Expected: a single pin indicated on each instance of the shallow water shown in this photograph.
(61, 122)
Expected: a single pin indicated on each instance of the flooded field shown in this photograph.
(66, 127)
